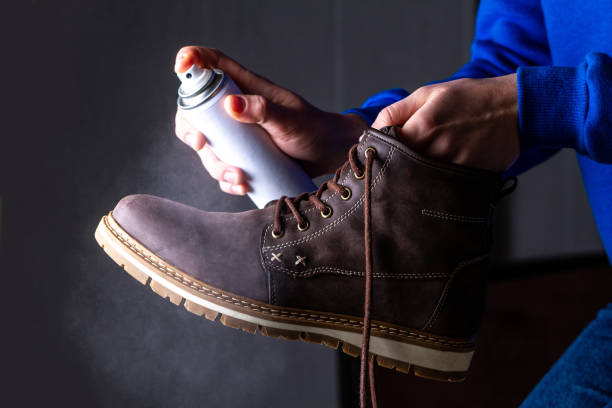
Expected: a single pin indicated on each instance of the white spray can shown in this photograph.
(269, 172)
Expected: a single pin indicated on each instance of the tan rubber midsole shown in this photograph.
(442, 360)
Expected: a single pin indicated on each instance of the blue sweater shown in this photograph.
(561, 52)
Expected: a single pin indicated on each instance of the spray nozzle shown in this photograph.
(195, 78)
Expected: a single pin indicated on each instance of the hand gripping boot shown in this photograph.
(395, 240)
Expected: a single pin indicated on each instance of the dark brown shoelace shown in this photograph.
(367, 361)
(315, 198)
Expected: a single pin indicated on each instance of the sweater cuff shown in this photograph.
(552, 107)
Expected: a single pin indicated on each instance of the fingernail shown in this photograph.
(179, 60)
(238, 189)
(230, 177)
(237, 104)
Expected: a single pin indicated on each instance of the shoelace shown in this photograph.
(367, 362)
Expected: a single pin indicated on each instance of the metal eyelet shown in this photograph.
(369, 149)
(360, 176)
(346, 194)
(278, 234)
(327, 212)
(304, 227)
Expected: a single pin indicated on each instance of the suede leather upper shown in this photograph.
(431, 228)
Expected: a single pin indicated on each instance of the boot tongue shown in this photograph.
(387, 132)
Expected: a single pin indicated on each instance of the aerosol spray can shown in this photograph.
(269, 172)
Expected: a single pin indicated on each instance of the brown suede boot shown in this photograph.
(414, 232)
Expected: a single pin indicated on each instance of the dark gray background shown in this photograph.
(88, 104)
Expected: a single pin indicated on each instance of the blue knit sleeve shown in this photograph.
(508, 34)
(568, 107)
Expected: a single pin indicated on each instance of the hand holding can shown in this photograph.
(269, 172)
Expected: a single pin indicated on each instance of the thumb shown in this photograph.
(255, 109)
(398, 113)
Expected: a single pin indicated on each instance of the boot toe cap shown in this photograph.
(147, 219)
(216, 248)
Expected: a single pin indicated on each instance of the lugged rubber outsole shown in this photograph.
(120, 253)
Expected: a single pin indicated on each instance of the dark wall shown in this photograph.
(88, 104)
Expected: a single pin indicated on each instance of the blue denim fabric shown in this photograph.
(582, 377)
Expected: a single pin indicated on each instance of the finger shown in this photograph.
(398, 113)
(185, 58)
(187, 133)
(235, 189)
(219, 170)
(410, 135)
(246, 80)
(255, 109)
(417, 132)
